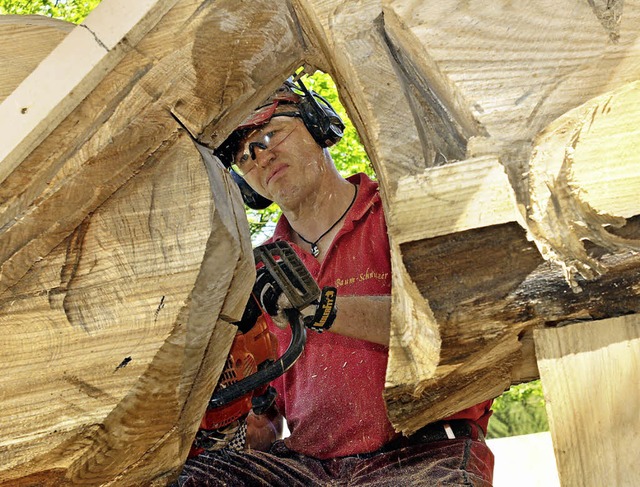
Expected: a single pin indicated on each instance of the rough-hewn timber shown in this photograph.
(590, 374)
(499, 135)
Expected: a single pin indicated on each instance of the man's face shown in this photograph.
(280, 159)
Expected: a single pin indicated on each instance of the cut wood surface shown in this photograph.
(36, 36)
(504, 138)
(123, 256)
(590, 374)
(584, 177)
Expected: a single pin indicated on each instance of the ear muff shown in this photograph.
(323, 123)
(251, 197)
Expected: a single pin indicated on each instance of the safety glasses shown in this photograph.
(267, 137)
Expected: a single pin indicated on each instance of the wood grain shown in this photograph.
(590, 375)
(124, 252)
(488, 289)
(74, 68)
(111, 328)
(36, 35)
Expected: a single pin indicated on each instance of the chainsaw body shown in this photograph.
(253, 362)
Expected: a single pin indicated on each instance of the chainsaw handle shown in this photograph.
(270, 372)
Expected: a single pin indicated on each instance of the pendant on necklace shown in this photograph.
(315, 250)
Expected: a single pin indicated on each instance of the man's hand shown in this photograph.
(280, 318)
(274, 301)
(318, 316)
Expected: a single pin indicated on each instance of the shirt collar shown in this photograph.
(368, 195)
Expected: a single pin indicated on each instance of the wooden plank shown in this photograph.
(70, 73)
(36, 36)
(590, 374)
(474, 193)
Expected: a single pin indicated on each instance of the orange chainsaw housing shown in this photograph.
(248, 351)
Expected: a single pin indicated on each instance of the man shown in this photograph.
(332, 396)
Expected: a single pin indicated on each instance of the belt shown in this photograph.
(439, 431)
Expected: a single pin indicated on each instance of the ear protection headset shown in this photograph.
(319, 117)
(321, 120)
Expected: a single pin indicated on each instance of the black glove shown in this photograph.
(264, 295)
(318, 316)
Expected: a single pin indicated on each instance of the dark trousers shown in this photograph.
(460, 461)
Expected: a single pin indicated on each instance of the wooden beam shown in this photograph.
(36, 37)
(474, 193)
(487, 289)
(590, 374)
(489, 286)
(70, 73)
(125, 252)
(113, 328)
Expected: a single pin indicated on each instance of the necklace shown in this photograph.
(314, 245)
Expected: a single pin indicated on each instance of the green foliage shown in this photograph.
(519, 411)
(70, 10)
(262, 223)
(349, 154)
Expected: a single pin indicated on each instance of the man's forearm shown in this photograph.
(364, 317)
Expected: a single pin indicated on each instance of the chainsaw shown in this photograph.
(252, 362)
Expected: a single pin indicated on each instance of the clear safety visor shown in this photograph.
(267, 137)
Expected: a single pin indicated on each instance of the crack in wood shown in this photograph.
(124, 362)
(68, 273)
(609, 13)
(160, 306)
(86, 388)
(95, 36)
(435, 123)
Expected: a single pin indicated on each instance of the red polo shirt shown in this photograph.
(332, 396)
